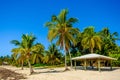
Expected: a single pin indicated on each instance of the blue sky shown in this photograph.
(19, 17)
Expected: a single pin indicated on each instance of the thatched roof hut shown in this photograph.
(91, 57)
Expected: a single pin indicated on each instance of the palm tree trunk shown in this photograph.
(22, 65)
(91, 62)
(65, 57)
(91, 50)
(29, 64)
(70, 59)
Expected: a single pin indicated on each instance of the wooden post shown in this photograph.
(110, 64)
(99, 65)
(85, 64)
(75, 64)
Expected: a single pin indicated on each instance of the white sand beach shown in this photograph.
(58, 74)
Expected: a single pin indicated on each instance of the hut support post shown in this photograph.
(75, 64)
(110, 64)
(85, 64)
(99, 65)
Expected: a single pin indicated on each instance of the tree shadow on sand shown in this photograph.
(48, 71)
(6, 74)
(96, 69)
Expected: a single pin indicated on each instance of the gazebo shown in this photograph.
(92, 57)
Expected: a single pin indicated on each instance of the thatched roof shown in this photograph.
(93, 56)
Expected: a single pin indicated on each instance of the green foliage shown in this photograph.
(1, 61)
(40, 65)
(90, 39)
(37, 53)
(108, 42)
(116, 62)
(52, 56)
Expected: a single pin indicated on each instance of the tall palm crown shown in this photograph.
(91, 39)
(60, 29)
(28, 41)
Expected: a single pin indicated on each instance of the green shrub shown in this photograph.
(115, 62)
(39, 65)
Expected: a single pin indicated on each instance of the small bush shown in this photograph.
(115, 62)
(39, 65)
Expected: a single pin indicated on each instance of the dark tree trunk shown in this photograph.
(66, 68)
(91, 62)
(70, 59)
(22, 64)
(31, 69)
(91, 50)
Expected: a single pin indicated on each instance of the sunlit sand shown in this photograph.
(58, 74)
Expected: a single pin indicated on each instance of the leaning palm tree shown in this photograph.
(60, 29)
(19, 56)
(26, 46)
(28, 43)
(91, 39)
(18, 53)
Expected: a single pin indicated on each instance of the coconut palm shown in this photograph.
(37, 53)
(77, 49)
(28, 43)
(52, 55)
(91, 39)
(108, 39)
(18, 55)
(107, 36)
(60, 29)
(26, 46)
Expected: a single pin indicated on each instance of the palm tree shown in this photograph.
(91, 39)
(52, 55)
(37, 53)
(108, 39)
(26, 46)
(19, 55)
(60, 29)
(28, 43)
(112, 37)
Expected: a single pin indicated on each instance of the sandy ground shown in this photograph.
(58, 74)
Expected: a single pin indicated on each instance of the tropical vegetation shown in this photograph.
(64, 37)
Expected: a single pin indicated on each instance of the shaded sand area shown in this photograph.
(6, 74)
(58, 74)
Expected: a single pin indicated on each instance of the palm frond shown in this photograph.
(72, 20)
(15, 42)
(62, 16)
(52, 34)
